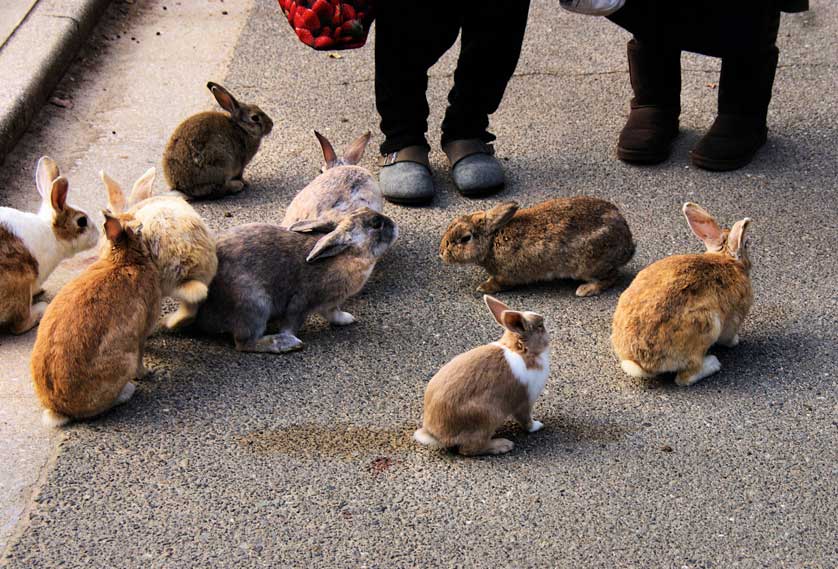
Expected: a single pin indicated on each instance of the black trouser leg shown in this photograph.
(747, 80)
(410, 37)
(493, 33)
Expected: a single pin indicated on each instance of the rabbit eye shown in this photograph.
(465, 238)
(377, 223)
(255, 118)
(82, 221)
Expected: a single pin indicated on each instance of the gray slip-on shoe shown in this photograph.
(405, 176)
(475, 170)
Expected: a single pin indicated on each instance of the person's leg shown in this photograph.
(490, 47)
(410, 37)
(745, 87)
(654, 60)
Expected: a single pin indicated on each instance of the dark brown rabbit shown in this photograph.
(206, 155)
(579, 238)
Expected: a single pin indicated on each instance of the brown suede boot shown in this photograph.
(740, 129)
(652, 124)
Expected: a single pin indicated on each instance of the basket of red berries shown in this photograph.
(330, 24)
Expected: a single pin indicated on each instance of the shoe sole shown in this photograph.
(416, 202)
(480, 193)
(640, 157)
(716, 165)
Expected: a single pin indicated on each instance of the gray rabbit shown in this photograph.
(270, 274)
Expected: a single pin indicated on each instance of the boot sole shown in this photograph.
(641, 157)
(718, 165)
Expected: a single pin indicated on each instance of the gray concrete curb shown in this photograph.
(35, 58)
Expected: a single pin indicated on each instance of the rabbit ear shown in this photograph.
(736, 237)
(58, 193)
(330, 245)
(116, 199)
(113, 227)
(313, 226)
(46, 172)
(500, 215)
(495, 306)
(143, 186)
(356, 150)
(514, 321)
(224, 98)
(328, 152)
(704, 226)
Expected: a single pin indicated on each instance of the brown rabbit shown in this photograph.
(90, 343)
(206, 155)
(473, 394)
(579, 238)
(678, 307)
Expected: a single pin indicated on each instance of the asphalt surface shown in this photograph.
(230, 460)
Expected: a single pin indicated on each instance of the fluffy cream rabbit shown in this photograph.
(185, 246)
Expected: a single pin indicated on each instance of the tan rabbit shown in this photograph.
(32, 245)
(207, 153)
(474, 394)
(89, 347)
(341, 188)
(578, 238)
(186, 255)
(678, 307)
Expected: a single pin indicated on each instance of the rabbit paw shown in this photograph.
(500, 446)
(590, 289)
(490, 285)
(234, 186)
(709, 366)
(126, 393)
(338, 317)
(730, 343)
(273, 344)
(535, 426)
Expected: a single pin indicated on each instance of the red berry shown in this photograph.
(347, 12)
(323, 42)
(353, 29)
(324, 10)
(306, 18)
(305, 36)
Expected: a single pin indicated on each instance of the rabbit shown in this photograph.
(270, 274)
(474, 394)
(186, 255)
(678, 307)
(32, 245)
(580, 238)
(207, 153)
(89, 347)
(341, 188)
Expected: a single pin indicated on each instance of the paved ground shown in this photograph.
(305, 460)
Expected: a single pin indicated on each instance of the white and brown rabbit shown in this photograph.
(89, 347)
(32, 245)
(185, 246)
(341, 188)
(476, 392)
(269, 274)
(678, 307)
(578, 238)
(207, 153)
